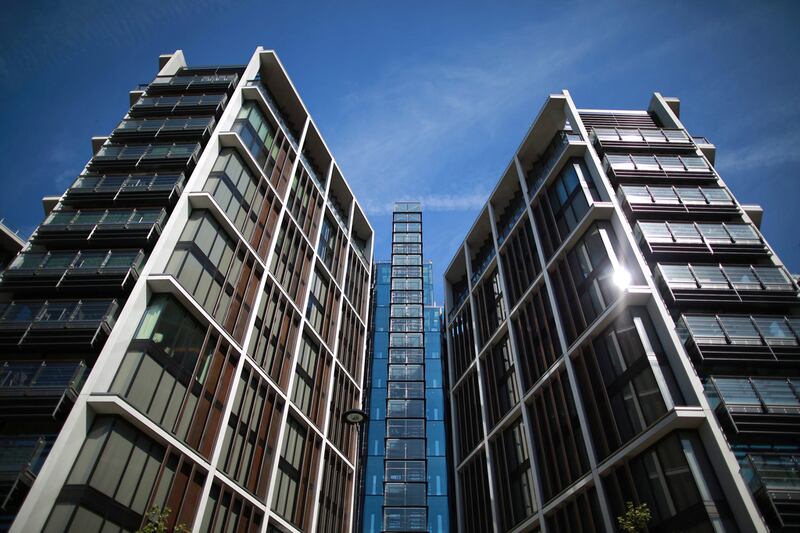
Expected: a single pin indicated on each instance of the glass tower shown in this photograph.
(406, 483)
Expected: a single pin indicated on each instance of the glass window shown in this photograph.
(773, 278)
(373, 477)
(739, 329)
(404, 519)
(685, 232)
(434, 404)
(376, 433)
(664, 195)
(743, 233)
(404, 494)
(405, 408)
(437, 439)
(717, 196)
(678, 276)
(737, 391)
(655, 231)
(776, 392)
(691, 196)
(406, 389)
(405, 448)
(703, 327)
(411, 428)
(742, 277)
(405, 471)
(775, 330)
(620, 162)
(637, 194)
(645, 162)
(710, 277)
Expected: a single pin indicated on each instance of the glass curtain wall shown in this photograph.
(406, 485)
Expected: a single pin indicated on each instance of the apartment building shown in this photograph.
(406, 452)
(619, 330)
(187, 327)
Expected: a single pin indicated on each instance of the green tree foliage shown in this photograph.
(157, 522)
(635, 518)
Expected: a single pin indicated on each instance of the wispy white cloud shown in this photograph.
(401, 131)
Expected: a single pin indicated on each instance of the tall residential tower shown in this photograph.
(187, 327)
(406, 476)
(619, 331)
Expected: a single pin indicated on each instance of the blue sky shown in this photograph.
(429, 98)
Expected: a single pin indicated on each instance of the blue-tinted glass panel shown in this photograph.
(434, 404)
(437, 476)
(373, 514)
(436, 442)
(379, 372)
(373, 482)
(433, 346)
(384, 273)
(377, 404)
(381, 345)
(382, 319)
(382, 294)
(433, 373)
(432, 319)
(438, 515)
(375, 437)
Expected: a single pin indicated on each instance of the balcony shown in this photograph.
(102, 228)
(542, 167)
(21, 459)
(41, 388)
(482, 260)
(513, 211)
(126, 190)
(197, 129)
(626, 168)
(290, 132)
(741, 342)
(774, 480)
(193, 83)
(726, 286)
(688, 241)
(640, 139)
(190, 104)
(752, 408)
(74, 272)
(148, 156)
(677, 203)
(68, 325)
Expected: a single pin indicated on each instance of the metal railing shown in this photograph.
(274, 108)
(550, 156)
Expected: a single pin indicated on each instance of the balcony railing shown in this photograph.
(338, 213)
(764, 340)
(188, 103)
(689, 239)
(458, 299)
(622, 167)
(312, 173)
(542, 167)
(275, 111)
(684, 201)
(68, 228)
(199, 82)
(124, 189)
(46, 388)
(774, 479)
(82, 324)
(164, 128)
(513, 211)
(123, 155)
(482, 261)
(360, 246)
(20, 454)
(73, 271)
(706, 284)
(644, 137)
